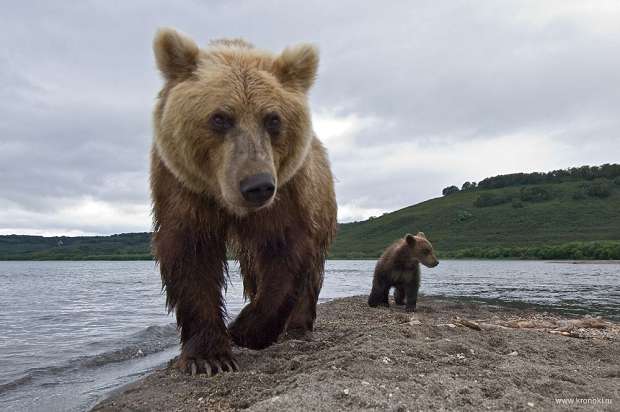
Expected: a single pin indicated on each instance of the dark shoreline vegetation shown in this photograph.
(571, 214)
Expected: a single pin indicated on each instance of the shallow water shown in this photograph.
(73, 331)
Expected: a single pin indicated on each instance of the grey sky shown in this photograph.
(411, 97)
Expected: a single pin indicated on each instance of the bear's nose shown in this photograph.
(258, 189)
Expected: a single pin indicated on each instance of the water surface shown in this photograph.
(73, 331)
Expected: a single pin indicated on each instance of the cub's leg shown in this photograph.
(380, 291)
(280, 278)
(411, 293)
(192, 268)
(399, 295)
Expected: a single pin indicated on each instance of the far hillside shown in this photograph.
(562, 214)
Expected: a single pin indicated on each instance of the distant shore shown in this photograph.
(452, 354)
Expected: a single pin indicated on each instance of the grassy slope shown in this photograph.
(126, 246)
(559, 220)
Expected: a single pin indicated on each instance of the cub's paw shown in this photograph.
(410, 308)
(207, 365)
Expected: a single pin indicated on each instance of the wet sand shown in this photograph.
(450, 355)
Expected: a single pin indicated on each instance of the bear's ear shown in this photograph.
(176, 55)
(410, 239)
(421, 234)
(296, 67)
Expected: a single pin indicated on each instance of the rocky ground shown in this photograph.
(450, 355)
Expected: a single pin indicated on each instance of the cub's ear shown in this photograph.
(421, 234)
(410, 239)
(176, 54)
(296, 67)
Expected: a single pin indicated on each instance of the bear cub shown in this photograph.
(399, 267)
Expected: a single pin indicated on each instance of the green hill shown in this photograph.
(562, 214)
(513, 228)
(126, 246)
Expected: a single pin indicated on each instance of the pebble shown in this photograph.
(346, 392)
(530, 404)
(513, 353)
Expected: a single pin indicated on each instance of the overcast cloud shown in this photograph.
(411, 97)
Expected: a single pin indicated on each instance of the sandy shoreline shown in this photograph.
(361, 358)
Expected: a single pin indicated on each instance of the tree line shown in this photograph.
(607, 171)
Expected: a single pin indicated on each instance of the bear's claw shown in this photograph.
(210, 367)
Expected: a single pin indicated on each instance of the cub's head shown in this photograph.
(422, 250)
(232, 121)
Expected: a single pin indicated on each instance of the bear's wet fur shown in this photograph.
(399, 267)
(236, 167)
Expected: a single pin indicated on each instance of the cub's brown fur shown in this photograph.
(399, 266)
(235, 166)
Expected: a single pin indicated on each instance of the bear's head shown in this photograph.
(232, 121)
(421, 249)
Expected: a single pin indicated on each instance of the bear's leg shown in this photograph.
(279, 282)
(248, 274)
(411, 292)
(304, 313)
(192, 269)
(380, 292)
(399, 295)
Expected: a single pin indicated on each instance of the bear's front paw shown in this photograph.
(207, 352)
(410, 308)
(249, 332)
(207, 365)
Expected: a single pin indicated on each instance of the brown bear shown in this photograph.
(236, 167)
(399, 266)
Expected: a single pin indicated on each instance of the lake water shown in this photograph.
(73, 331)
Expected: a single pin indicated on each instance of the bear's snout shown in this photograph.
(258, 189)
(430, 263)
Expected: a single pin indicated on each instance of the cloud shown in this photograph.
(411, 97)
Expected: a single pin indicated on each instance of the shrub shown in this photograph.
(517, 204)
(468, 186)
(579, 195)
(489, 199)
(617, 180)
(599, 189)
(463, 215)
(535, 194)
(449, 190)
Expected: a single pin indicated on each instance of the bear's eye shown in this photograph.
(272, 124)
(221, 122)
